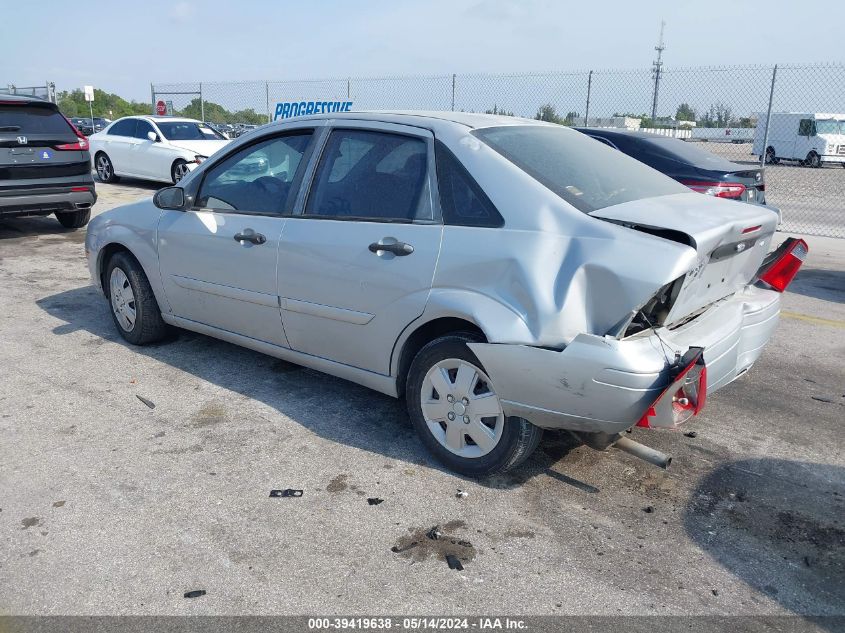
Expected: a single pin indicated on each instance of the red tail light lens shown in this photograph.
(779, 271)
(718, 189)
(684, 397)
(80, 146)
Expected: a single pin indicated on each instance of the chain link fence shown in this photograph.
(720, 109)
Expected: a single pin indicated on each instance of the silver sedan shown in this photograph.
(504, 275)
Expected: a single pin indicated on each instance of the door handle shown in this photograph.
(400, 249)
(250, 236)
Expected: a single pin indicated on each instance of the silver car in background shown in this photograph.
(504, 275)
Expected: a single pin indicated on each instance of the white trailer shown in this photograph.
(811, 138)
(723, 134)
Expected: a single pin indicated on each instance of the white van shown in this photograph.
(812, 138)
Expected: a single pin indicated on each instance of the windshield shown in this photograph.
(830, 126)
(586, 173)
(188, 131)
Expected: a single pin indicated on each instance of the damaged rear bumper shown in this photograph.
(601, 384)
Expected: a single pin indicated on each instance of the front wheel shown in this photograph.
(457, 413)
(134, 308)
(813, 160)
(178, 171)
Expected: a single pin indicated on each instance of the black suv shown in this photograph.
(45, 166)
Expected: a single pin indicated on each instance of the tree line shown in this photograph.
(110, 106)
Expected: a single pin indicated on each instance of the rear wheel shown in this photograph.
(134, 308)
(105, 169)
(771, 159)
(813, 160)
(457, 413)
(179, 170)
(74, 219)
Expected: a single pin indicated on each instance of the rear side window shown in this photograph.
(371, 175)
(123, 128)
(461, 199)
(25, 119)
(586, 174)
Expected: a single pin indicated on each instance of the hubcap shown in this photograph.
(122, 299)
(461, 409)
(103, 168)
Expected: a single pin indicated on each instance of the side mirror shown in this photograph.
(153, 137)
(170, 198)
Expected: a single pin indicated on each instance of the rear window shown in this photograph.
(32, 120)
(685, 152)
(586, 174)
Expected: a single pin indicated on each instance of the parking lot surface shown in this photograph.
(109, 506)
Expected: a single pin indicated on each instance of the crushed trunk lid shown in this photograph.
(730, 238)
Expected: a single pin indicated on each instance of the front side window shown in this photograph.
(258, 178)
(189, 131)
(126, 127)
(371, 175)
(586, 174)
(142, 128)
(830, 126)
(807, 127)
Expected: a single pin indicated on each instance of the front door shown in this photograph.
(218, 259)
(355, 267)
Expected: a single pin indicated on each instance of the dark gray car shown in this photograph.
(45, 166)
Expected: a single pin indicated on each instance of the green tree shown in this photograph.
(108, 105)
(547, 112)
(500, 111)
(685, 113)
(571, 118)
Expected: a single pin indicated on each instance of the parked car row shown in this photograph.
(89, 126)
(504, 275)
(232, 130)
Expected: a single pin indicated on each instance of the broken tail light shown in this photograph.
(718, 189)
(684, 397)
(780, 267)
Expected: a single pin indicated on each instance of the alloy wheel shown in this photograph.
(180, 170)
(460, 408)
(122, 299)
(103, 168)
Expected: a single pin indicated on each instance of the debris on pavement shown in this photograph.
(820, 399)
(690, 434)
(434, 533)
(196, 593)
(454, 563)
(462, 494)
(287, 492)
(648, 509)
(435, 542)
(715, 592)
(149, 403)
(374, 501)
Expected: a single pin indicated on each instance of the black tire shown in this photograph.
(74, 219)
(813, 160)
(519, 437)
(175, 170)
(105, 168)
(771, 159)
(148, 326)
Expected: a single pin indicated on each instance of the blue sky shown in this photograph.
(123, 46)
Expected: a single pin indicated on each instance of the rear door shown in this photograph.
(118, 145)
(218, 259)
(31, 138)
(355, 268)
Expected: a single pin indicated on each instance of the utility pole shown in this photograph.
(656, 70)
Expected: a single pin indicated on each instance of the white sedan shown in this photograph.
(153, 148)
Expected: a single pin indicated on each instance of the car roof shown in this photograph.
(421, 118)
(159, 119)
(613, 131)
(24, 99)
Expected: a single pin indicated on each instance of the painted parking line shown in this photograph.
(812, 319)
